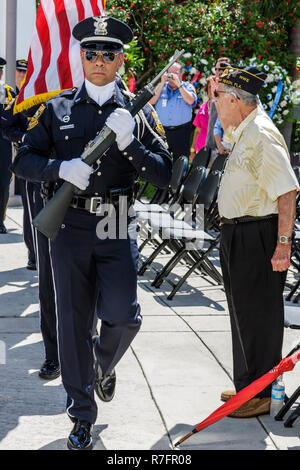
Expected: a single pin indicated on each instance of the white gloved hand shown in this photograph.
(122, 123)
(76, 172)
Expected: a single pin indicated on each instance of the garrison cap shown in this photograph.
(21, 64)
(246, 78)
(2, 63)
(102, 33)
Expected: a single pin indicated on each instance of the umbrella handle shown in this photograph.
(194, 431)
(294, 350)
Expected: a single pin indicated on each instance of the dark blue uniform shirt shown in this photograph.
(65, 124)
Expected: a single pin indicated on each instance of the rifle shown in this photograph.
(51, 217)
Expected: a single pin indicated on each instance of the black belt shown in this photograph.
(171, 128)
(247, 218)
(93, 202)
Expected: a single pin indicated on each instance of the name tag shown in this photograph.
(68, 126)
(164, 103)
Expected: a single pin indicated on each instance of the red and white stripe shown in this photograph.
(54, 60)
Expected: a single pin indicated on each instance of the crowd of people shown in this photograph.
(83, 278)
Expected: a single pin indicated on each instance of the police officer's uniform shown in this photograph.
(14, 129)
(91, 273)
(5, 152)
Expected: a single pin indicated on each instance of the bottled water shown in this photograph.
(277, 396)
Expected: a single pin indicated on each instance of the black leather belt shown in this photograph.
(172, 128)
(93, 202)
(247, 218)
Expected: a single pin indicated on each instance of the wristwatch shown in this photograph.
(283, 239)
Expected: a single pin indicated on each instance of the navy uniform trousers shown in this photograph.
(254, 294)
(26, 189)
(92, 274)
(46, 287)
(5, 175)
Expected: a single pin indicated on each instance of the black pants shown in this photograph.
(179, 140)
(91, 274)
(46, 287)
(26, 190)
(5, 176)
(254, 295)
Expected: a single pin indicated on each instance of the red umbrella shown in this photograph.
(286, 364)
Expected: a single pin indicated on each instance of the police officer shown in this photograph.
(14, 129)
(93, 272)
(7, 95)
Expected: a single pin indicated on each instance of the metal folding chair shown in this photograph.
(291, 320)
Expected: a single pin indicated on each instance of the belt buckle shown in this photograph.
(97, 201)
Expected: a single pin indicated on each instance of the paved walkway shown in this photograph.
(169, 380)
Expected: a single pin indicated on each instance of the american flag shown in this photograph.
(54, 60)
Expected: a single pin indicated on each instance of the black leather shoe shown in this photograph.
(81, 436)
(50, 370)
(31, 265)
(105, 386)
(3, 229)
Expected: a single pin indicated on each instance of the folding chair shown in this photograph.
(291, 320)
(187, 238)
(157, 221)
(295, 262)
(201, 158)
(219, 162)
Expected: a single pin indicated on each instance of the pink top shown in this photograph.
(201, 121)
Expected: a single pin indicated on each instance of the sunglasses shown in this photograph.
(106, 56)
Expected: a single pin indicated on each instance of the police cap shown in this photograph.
(2, 63)
(102, 33)
(21, 64)
(246, 78)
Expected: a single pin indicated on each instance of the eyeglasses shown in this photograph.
(216, 93)
(106, 56)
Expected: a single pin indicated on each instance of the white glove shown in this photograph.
(122, 123)
(76, 172)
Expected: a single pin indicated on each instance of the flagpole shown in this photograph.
(11, 42)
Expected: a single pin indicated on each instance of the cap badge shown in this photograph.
(100, 26)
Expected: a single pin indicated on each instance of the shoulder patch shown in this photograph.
(35, 118)
(159, 127)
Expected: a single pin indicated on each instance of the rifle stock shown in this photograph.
(51, 217)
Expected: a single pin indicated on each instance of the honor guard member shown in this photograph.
(256, 203)
(7, 97)
(14, 129)
(90, 272)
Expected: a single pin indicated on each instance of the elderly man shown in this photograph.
(92, 273)
(257, 205)
(174, 100)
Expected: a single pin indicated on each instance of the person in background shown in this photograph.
(222, 146)
(210, 142)
(8, 96)
(201, 123)
(14, 129)
(174, 100)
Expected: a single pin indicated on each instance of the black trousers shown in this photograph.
(92, 274)
(26, 190)
(46, 287)
(179, 140)
(254, 295)
(5, 175)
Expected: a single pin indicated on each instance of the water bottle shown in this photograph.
(277, 396)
